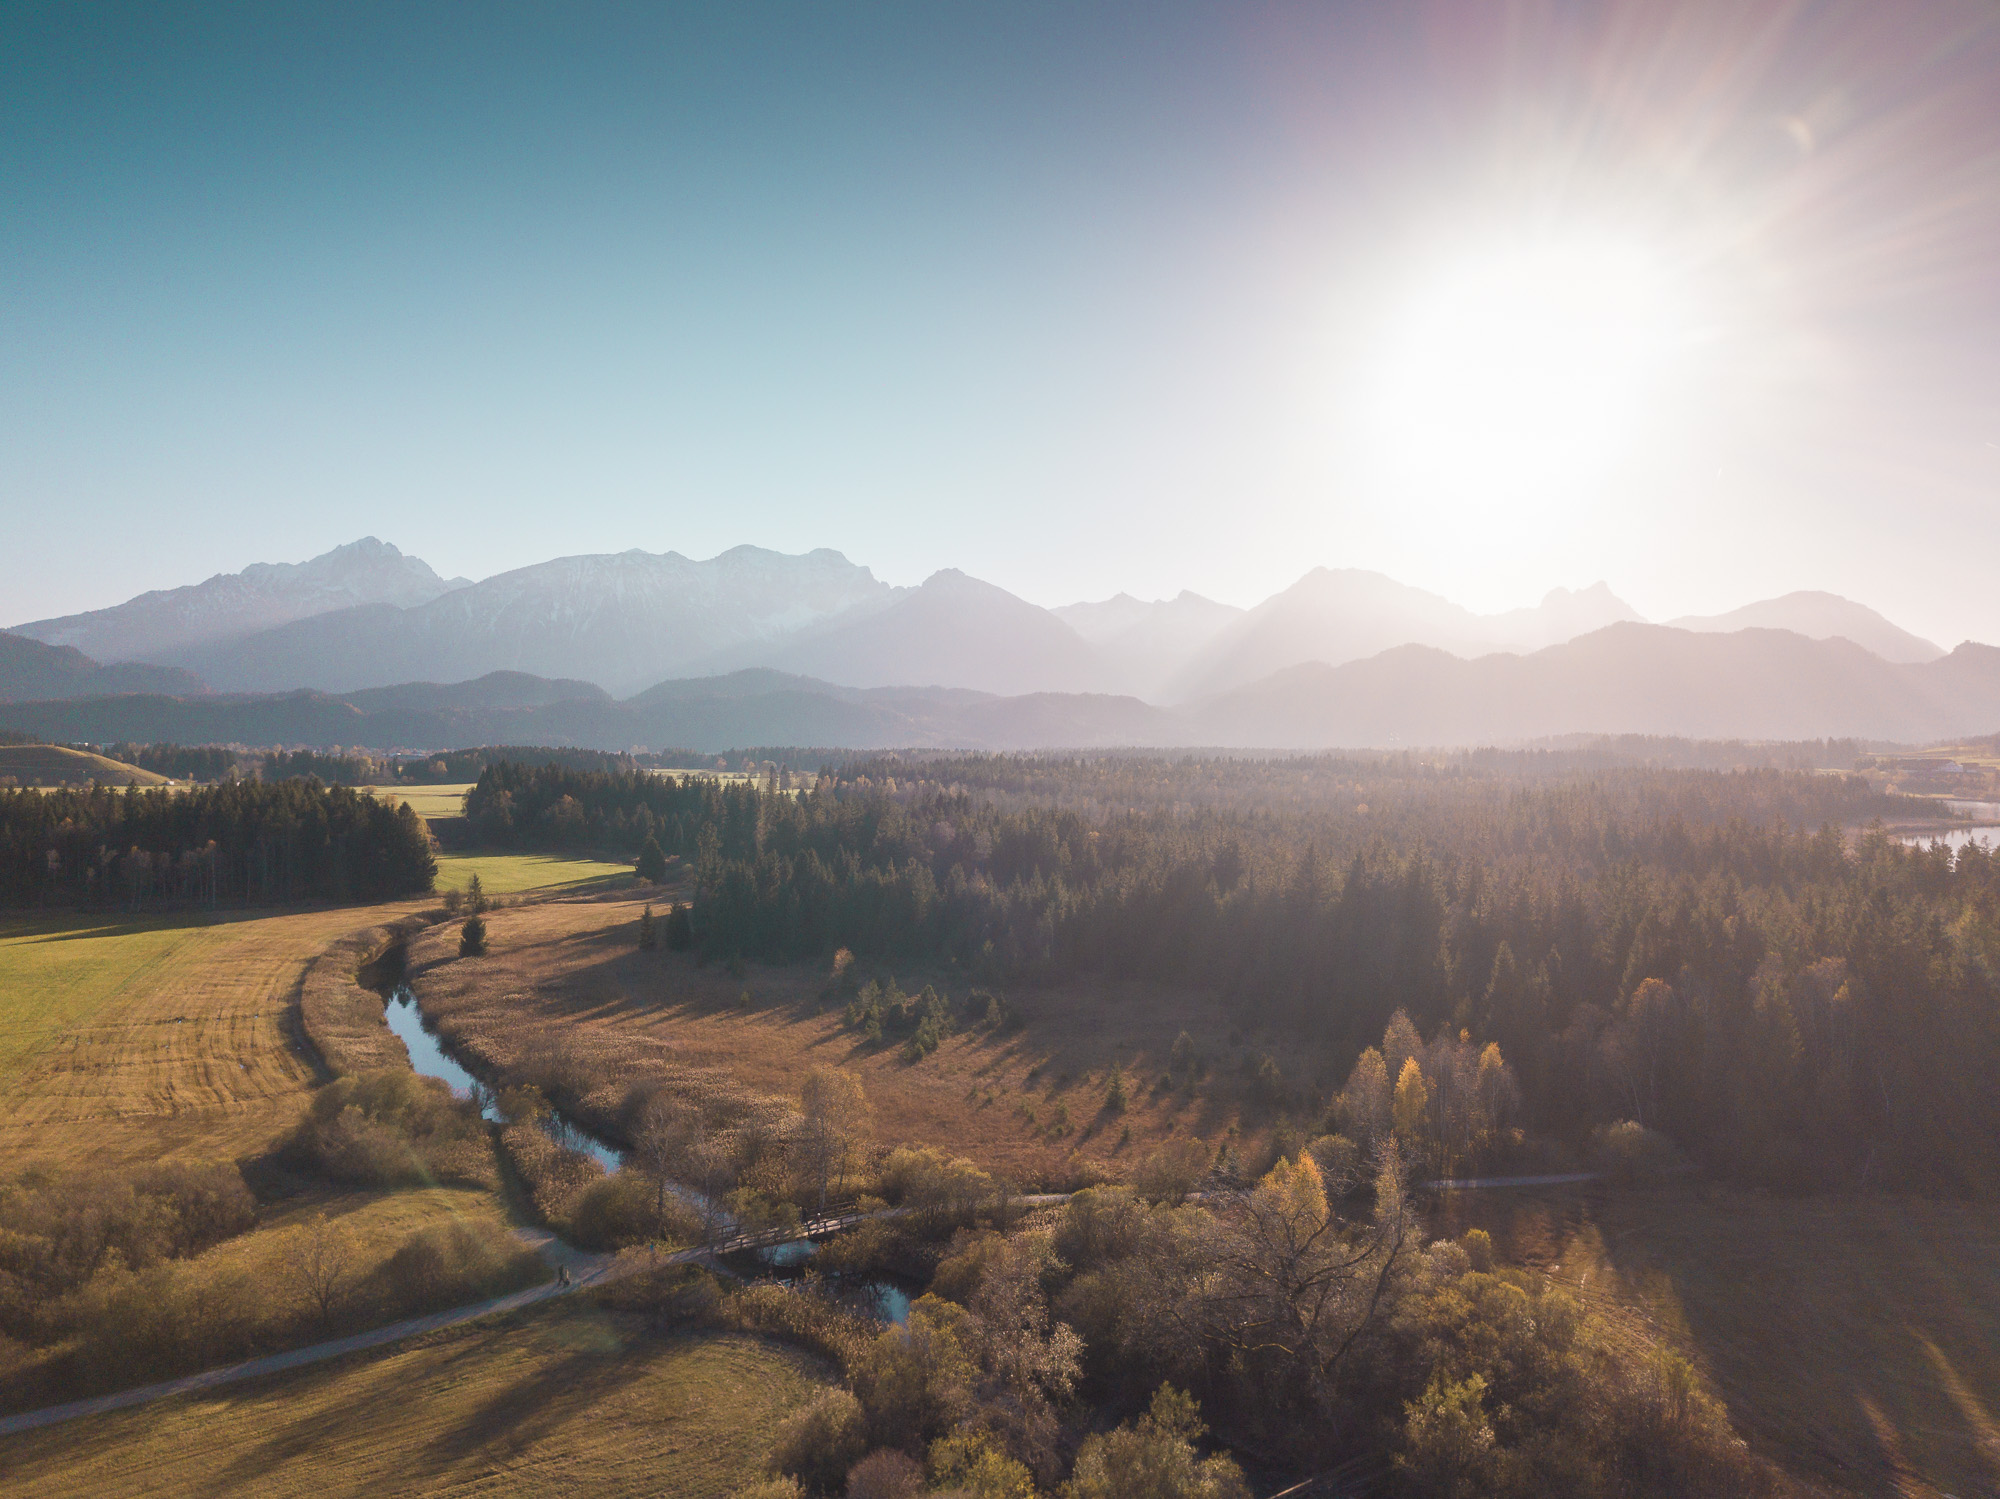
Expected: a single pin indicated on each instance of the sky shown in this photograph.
(1702, 300)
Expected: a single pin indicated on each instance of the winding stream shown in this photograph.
(884, 1299)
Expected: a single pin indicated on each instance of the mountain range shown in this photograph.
(1627, 678)
(367, 616)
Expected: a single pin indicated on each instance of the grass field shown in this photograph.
(52, 765)
(517, 874)
(427, 801)
(133, 1039)
(563, 1400)
(1856, 1341)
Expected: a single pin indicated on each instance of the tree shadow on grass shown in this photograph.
(519, 1414)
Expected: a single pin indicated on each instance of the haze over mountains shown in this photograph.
(753, 646)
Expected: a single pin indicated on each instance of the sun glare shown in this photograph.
(1525, 369)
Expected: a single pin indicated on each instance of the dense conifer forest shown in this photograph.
(242, 841)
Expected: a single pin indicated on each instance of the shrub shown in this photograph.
(801, 1317)
(820, 1442)
(1172, 1171)
(967, 1462)
(1155, 1457)
(886, 1474)
(392, 1128)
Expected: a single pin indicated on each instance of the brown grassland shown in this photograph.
(1022, 1103)
(54, 765)
(563, 1399)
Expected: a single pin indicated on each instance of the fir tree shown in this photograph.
(648, 938)
(680, 928)
(472, 937)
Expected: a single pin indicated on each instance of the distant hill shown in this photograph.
(31, 670)
(164, 626)
(1146, 645)
(1820, 616)
(1625, 679)
(623, 621)
(53, 765)
(1630, 679)
(1336, 615)
(954, 631)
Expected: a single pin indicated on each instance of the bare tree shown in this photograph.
(318, 1266)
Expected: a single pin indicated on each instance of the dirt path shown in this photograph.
(584, 1268)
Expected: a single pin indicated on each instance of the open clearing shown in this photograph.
(565, 1399)
(1856, 1341)
(517, 874)
(427, 801)
(53, 765)
(1021, 1102)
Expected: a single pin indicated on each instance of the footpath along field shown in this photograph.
(130, 1039)
(564, 1399)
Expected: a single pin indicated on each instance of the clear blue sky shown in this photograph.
(1077, 298)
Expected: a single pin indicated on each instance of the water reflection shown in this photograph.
(874, 1296)
(429, 1058)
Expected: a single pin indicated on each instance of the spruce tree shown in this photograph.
(652, 861)
(648, 938)
(680, 928)
(472, 937)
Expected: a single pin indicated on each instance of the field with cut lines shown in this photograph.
(563, 1399)
(127, 1039)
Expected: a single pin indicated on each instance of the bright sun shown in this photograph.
(1523, 370)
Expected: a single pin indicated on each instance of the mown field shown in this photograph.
(565, 1400)
(426, 801)
(133, 1038)
(521, 874)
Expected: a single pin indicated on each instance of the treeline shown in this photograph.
(179, 762)
(554, 806)
(246, 841)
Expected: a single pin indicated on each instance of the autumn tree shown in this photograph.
(835, 1128)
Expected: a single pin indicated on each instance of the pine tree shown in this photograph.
(475, 896)
(648, 938)
(472, 937)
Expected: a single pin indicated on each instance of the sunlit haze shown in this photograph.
(1696, 299)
